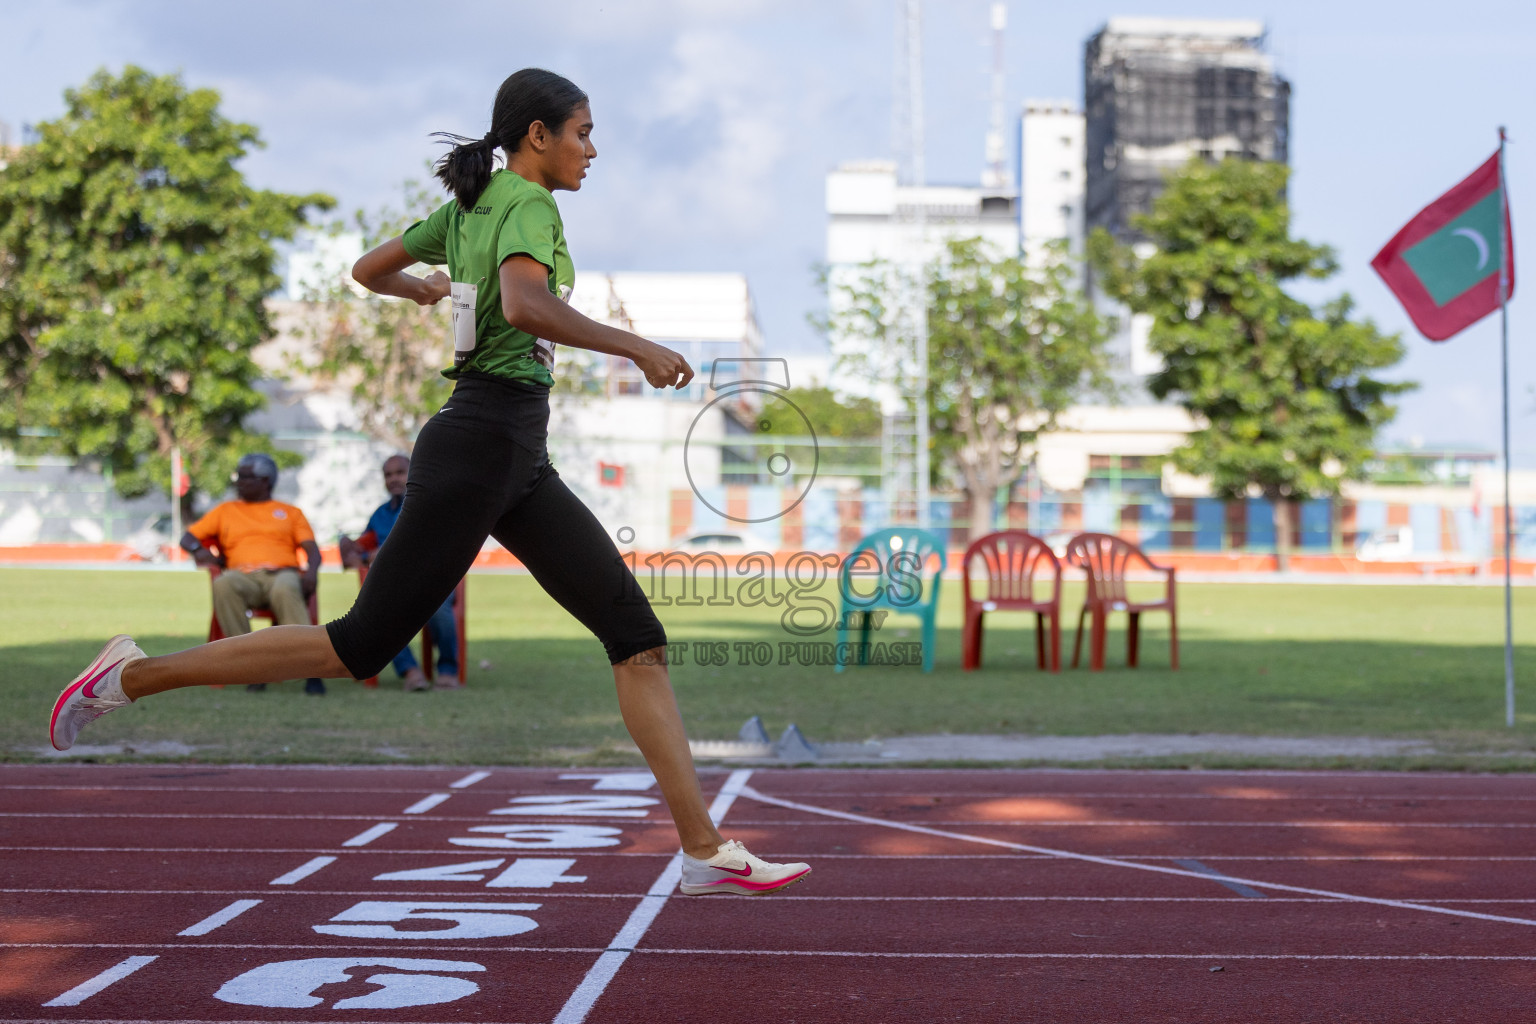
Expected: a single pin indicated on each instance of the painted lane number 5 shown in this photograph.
(469, 920)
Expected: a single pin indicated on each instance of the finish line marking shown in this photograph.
(1117, 863)
(608, 963)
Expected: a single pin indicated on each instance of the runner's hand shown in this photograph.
(662, 367)
(439, 287)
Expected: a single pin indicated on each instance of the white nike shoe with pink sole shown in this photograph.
(94, 692)
(733, 870)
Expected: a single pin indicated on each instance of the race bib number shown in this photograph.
(464, 297)
(544, 351)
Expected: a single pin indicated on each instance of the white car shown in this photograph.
(1394, 544)
(150, 540)
(725, 542)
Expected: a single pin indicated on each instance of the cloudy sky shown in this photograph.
(717, 119)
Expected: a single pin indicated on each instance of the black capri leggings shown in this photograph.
(481, 469)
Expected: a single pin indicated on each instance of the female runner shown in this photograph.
(480, 469)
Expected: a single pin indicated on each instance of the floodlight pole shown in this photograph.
(1509, 615)
(914, 28)
(176, 503)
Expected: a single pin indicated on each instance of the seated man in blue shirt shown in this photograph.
(443, 629)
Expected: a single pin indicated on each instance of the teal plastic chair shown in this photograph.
(898, 571)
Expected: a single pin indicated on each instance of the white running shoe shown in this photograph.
(733, 870)
(94, 692)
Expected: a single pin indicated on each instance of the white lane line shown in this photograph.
(185, 1020)
(303, 871)
(425, 893)
(469, 780)
(1382, 858)
(262, 790)
(83, 991)
(608, 963)
(367, 836)
(432, 800)
(1209, 776)
(1357, 825)
(374, 948)
(193, 1020)
(220, 919)
(326, 849)
(599, 814)
(1134, 865)
(1519, 790)
(656, 950)
(1092, 956)
(1010, 794)
(426, 803)
(1044, 795)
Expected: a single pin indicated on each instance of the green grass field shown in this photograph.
(1292, 660)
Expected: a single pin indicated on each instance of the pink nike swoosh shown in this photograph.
(762, 886)
(90, 684)
(743, 872)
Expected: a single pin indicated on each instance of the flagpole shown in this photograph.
(1509, 617)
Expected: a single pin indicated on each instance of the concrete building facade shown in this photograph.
(1160, 91)
(870, 215)
(1051, 177)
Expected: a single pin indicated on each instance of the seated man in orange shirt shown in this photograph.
(259, 540)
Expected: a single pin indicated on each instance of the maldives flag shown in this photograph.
(1443, 266)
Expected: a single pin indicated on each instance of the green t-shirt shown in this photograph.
(512, 217)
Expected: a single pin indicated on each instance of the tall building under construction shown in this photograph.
(1158, 91)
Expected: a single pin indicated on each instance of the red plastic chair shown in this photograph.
(1106, 558)
(1010, 561)
(459, 599)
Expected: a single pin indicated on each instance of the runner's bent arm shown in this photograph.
(528, 305)
(381, 270)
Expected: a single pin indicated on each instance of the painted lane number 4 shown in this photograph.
(522, 873)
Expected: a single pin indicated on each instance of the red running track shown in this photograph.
(188, 893)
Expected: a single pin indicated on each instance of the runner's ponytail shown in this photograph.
(466, 169)
(529, 95)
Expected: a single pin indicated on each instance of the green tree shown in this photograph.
(389, 352)
(1285, 393)
(1010, 347)
(830, 416)
(134, 260)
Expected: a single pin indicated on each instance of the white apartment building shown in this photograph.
(626, 448)
(1051, 177)
(871, 216)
